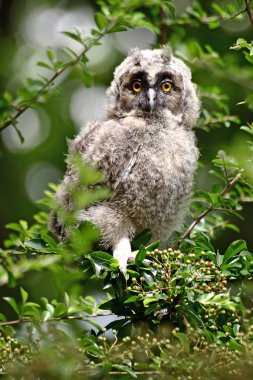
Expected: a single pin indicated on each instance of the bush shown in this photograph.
(182, 313)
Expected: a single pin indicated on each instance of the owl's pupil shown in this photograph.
(136, 86)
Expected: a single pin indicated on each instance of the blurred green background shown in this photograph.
(28, 27)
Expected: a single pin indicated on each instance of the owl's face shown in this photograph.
(144, 90)
(151, 83)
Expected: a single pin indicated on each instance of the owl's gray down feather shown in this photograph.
(147, 151)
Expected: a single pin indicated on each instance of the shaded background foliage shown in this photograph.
(27, 28)
(198, 300)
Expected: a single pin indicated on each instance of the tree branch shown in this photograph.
(140, 373)
(248, 10)
(209, 209)
(50, 81)
(56, 319)
(163, 27)
(220, 119)
(237, 14)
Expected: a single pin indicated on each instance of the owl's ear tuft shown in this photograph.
(136, 55)
(166, 53)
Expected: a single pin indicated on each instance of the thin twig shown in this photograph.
(56, 319)
(140, 373)
(220, 119)
(248, 10)
(209, 209)
(210, 19)
(237, 14)
(119, 373)
(50, 81)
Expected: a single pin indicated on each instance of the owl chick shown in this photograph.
(146, 148)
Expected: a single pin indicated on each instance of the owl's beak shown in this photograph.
(151, 98)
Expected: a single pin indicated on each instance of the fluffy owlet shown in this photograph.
(145, 147)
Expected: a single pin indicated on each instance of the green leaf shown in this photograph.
(218, 174)
(205, 298)
(74, 36)
(148, 278)
(24, 295)
(13, 304)
(60, 309)
(103, 256)
(234, 345)
(49, 241)
(44, 65)
(23, 224)
(191, 315)
(141, 239)
(140, 255)
(31, 309)
(100, 20)
(66, 299)
(87, 78)
(11, 279)
(50, 55)
(35, 243)
(116, 324)
(153, 246)
(147, 301)
(234, 248)
(203, 195)
(119, 285)
(14, 227)
(126, 369)
(94, 324)
(247, 129)
(184, 341)
(133, 299)
(133, 273)
(46, 315)
(125, 330)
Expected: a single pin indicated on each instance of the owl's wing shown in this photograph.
(107, 145)
(104, 144)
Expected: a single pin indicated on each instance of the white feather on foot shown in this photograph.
(122, 252)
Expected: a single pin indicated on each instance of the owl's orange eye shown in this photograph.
(166, 86)
(136, 86)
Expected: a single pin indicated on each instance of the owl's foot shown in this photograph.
(122, 252)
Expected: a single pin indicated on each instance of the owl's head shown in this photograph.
(153, 83)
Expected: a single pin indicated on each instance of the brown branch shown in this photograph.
(248, 10)
(209, 209)
(163, 27)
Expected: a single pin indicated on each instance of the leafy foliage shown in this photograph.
(180, 313)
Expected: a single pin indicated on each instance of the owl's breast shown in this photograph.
(159, 179)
